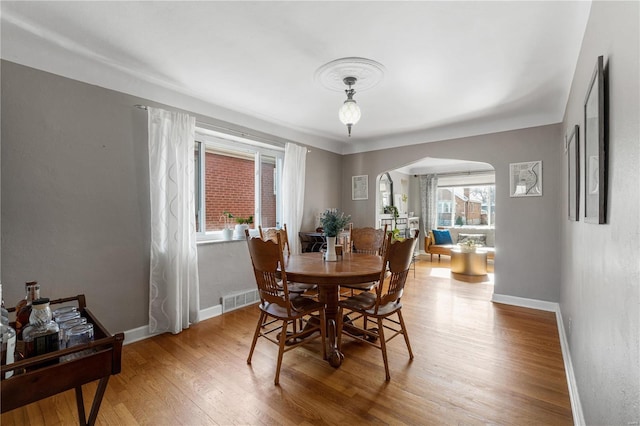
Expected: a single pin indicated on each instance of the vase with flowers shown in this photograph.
(469, 246)
(333, 222)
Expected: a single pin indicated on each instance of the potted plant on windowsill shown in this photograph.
(241, 224)
(333, 222)
(227, 232)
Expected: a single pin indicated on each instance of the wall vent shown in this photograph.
(239, 299)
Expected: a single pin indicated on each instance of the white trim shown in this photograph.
(235, 143)
(541, 305)
(141, 333)
(137, 334)
(216, 237)
(210, 312)
(574, 397)
(576, 406)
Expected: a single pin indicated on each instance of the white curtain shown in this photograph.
(428, 198)
(293, 171)
(174, 298)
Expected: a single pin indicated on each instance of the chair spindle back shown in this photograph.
(398, 257)
(268, 268)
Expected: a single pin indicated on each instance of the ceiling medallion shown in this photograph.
(367, 72)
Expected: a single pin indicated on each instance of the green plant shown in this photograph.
(459, 221)
(241, 220)
(469, 243)
(392, 210)
(226, 216)
(333, 221)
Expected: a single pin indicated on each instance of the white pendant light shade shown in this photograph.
(349, 112)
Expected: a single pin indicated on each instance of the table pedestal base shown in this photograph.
(469, 266)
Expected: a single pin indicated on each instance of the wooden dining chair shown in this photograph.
(272, 234)
(369, 241)
(382, 308)
(279, 312)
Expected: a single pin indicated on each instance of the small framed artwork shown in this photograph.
(595, 148)
(525, 179)
(573, 168)
(360, 187)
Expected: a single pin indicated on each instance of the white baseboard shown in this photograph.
(576, 406)
(137, 334)
(211, 312)
(541, 305)
(141, 333)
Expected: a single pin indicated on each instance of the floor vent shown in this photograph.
(239, 299)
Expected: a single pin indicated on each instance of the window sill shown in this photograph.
(215, 237)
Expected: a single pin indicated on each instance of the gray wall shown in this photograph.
(527, 260)
(601, 263)
(322, 185)
(75, 191)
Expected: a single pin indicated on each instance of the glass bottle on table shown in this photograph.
(23, 307)
(41, 335)
(8, 345)
(26, 298)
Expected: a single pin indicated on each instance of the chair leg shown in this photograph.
(405, 334)
(383, 348)
(323, 333)
(255, 335)
(283, 340)
(339, 326)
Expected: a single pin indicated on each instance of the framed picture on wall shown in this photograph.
(360, 187)
(573, 168)
(525, 179)
(595, 148)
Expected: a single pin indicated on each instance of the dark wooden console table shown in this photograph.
(311, 241)
(47, 375)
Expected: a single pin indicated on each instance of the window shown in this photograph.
(242, 178)
(466, 205)
(444, 206)
(461, 203)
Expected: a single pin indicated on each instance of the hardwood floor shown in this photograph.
(476, 362)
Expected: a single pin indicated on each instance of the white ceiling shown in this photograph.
(453, 69)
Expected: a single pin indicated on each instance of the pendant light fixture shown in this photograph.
(349, 112)
(349, 71)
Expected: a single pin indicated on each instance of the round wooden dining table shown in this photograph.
(350, 268)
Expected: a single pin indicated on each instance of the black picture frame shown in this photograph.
(595, 148)
(573, 169)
